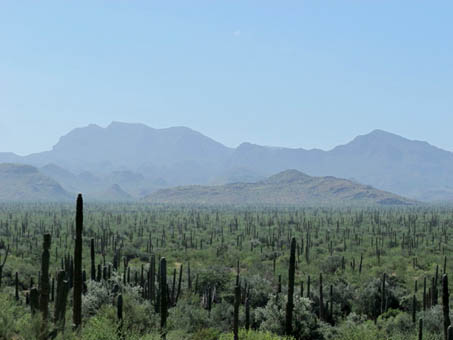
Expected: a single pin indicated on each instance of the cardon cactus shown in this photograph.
(45, 285)
(77, 278)
(291, 275)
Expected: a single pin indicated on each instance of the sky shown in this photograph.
(311, 74)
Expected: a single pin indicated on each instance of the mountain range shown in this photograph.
(141, 160)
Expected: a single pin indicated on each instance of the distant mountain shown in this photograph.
(142, 160)
(26, 183)
(177, 152)
(386, 161)
(289, 187)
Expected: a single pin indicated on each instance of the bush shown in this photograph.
(188, 316)
(272, 318)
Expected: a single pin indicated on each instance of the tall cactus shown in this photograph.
(383, 296)
(2, 264)
(291, 275)
(237, 300)
(16, 285)
(45, 285)
(93, 260)
(163, 296)
(119, 308)
(420, 329)
(34, 300)
(247, 311)
(62, 294)
(77, 279)
(445, 304)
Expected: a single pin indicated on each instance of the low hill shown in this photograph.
(25, 183)
(289, 187)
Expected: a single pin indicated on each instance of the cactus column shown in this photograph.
(45, 286)
(60, 303)
(78, 283)
(93, 260)
(163, 296)
(445, 304)
(291, 274)
(237, 297)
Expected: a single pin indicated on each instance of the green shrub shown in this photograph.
(272, 318)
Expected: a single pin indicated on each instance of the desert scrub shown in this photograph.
(100, 327)
(15, 319)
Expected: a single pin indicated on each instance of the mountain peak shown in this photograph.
(381, 135)
(287, 176)
(121, 125)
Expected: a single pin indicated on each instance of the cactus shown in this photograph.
(383, 294)
(237, 298)
(424, 294)
(52, 290)
(34, 300)
(77, 279)
(414, 308)
(420, 329)
(119, 313)
(450, 333)
(152, 275)
(60, 294)
(435, 285)
(360, 265)
(93, 260)
(291, 275)
(247, 311)
(3, 263)
(16, 284)
(331, 304)
(119, 308)
(45, 285)
(163, 296)
(445, 304)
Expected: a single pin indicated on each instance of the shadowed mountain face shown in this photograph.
(26, 183)
(290, 187)
(142, 159)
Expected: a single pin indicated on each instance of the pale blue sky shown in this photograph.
(286, 73)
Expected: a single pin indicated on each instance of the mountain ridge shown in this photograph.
(290, 187)
(181, 156)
